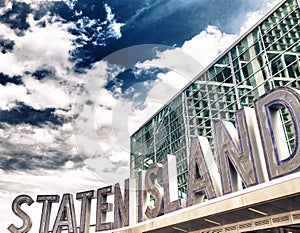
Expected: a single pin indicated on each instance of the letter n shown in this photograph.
(238, 150)
(121, 206)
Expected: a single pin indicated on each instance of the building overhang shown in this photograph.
(261, 206)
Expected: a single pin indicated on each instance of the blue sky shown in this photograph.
(78, 77)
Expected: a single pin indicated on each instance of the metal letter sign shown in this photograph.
(238, 150)
(155, 190)
(253, 151)
(103, 207)
(66, 215)
(143, 196)
(86, 199)
(16, 207)
(203, 180)
(171, 201)
(47, 201)
(279, 160)
(121, 210)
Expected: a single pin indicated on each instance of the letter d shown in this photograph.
(273, 131)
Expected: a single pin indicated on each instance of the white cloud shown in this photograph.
(98, 31)
(39, 46)
(253, 17)
(5, 6)
(11, 93)
(208, 44)
(47, 94)
(69, 164)
(195, 54)
(7, 32)
(96, 114)
(113, 25)
(45, 137)
(34, 93)
(184, 64)
(177, 60)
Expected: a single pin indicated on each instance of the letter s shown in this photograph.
(16, 207)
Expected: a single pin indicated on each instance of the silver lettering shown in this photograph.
(203, 181)
(103, 207)
(121, 206)
(236, 150)
(16, 207)
(171, 200)
(47, 201)
(155, 190)
(278, 158)
(143, 196)
(66, 215)
(85, 213)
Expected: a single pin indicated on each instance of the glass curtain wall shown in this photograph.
(265, 58)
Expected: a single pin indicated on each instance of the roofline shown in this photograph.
(241, 37)
(265, 193)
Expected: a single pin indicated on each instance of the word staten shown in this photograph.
(253, 152)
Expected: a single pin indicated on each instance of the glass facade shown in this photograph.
(266, 57)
